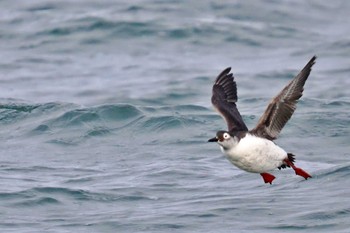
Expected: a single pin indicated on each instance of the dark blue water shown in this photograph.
(105, 112)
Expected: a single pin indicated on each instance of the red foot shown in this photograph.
(301, 172)
(298, 171)
(268, 178)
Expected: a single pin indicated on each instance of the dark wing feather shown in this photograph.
(224, 99)
(282, 106)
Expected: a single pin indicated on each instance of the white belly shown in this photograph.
(254, 154)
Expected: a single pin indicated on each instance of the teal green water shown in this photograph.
(105, 115)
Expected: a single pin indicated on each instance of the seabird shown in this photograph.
(254, 150)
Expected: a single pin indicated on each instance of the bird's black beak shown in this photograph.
(213, 139)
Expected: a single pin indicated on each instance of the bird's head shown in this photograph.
(223, 138)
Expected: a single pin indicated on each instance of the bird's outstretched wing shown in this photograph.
(224, 99)
(282, 106)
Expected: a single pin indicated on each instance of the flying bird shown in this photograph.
(255, 150)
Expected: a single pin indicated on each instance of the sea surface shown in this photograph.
(105, 114)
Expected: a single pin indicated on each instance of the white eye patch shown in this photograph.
(226, 136)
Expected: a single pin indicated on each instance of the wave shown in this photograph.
(70, 124)
(43, 196)
(37, 201)
(77, 117)
(154, 28)
(89, 24)
(340, 171)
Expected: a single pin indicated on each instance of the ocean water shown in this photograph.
(105, 115)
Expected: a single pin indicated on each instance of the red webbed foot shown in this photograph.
(298, 171)
(301, 172)
(268, 178)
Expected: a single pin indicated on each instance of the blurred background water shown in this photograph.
(105, 112)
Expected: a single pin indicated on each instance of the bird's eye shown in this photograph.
(226, 136)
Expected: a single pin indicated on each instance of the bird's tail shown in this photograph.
(291, 159)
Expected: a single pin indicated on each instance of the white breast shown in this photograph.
(254, 154)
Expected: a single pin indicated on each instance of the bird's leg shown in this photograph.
(298, 171)
(268, 178)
